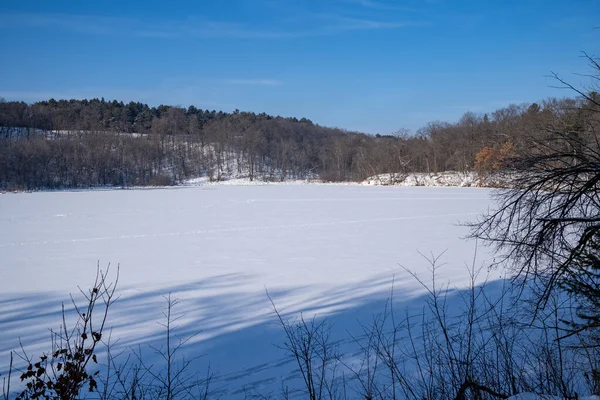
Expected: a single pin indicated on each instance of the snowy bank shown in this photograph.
(237, 181)
(448, 178)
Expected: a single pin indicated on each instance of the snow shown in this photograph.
(447, 178)
(530, 396)
(450, 178)
(533, 396)
(326, 249)
(243, 181)
(441, 179)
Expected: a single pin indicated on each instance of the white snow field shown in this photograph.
(321, 249)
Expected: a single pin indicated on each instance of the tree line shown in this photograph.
(86, 143)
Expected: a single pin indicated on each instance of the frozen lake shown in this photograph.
(325, 249)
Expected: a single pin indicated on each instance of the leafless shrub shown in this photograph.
(64, 372)
(309, 342)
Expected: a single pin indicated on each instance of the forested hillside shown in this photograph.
(87, 143)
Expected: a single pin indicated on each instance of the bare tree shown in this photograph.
(548, 225)
(309, 342)
(172, 378)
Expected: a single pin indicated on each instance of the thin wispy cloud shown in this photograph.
(380, 5)
(343, 23)
(254, 82)
(197, 27)
(466, 107)
(366, 3)
(92, 25)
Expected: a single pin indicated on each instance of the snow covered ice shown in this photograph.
(320, 249)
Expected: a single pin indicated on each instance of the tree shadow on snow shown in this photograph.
(233, 331)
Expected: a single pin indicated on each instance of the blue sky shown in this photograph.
(370, 65)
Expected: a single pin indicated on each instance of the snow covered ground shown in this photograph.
(533, 396)
(320, 249)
